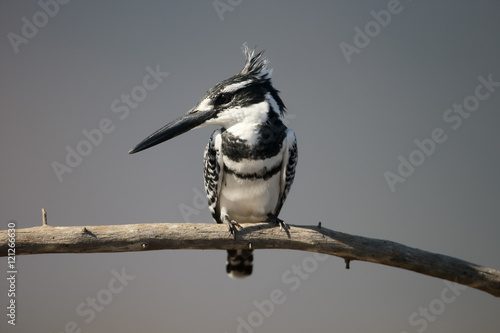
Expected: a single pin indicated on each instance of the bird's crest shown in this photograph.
(256, 64)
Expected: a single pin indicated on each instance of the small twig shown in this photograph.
(44, 217)
(347, 263)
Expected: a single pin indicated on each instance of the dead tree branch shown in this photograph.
(163, 236)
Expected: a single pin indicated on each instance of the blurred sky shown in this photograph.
(355, 120)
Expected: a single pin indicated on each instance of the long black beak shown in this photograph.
(177, 127)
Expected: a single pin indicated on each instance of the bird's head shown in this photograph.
(247, 97)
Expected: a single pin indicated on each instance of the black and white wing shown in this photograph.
(213, 173)
(287, 169)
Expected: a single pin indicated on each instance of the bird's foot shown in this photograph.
(276, 220)
(231, 225)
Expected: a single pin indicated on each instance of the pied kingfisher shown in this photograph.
(249, 163)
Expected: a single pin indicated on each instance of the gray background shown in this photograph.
(352, 121)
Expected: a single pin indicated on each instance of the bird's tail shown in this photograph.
(239, 263)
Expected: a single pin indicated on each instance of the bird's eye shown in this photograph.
(223, 99)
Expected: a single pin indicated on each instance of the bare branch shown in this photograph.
(163, 236)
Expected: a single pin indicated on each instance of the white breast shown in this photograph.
(247, 200)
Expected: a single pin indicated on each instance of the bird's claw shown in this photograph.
(276, 220)
(232, 225)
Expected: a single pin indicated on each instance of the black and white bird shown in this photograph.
(249, 163)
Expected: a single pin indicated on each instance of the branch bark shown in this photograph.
(163, 236)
